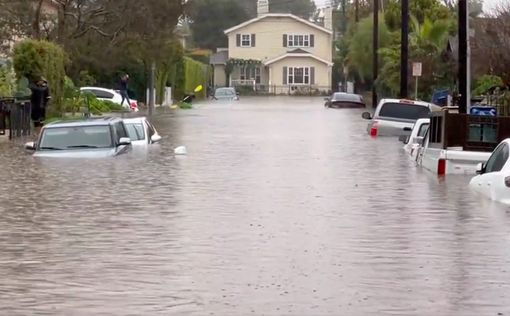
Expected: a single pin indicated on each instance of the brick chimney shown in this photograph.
(262, 7)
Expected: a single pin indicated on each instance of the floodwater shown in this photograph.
(281, 207)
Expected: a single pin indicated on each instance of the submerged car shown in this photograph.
(344, 100)
(493, 179)
(112, 96)
(226, 94)
(141, 131)
(396, 117)
(91, 138)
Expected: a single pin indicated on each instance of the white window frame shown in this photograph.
(292, 40)
(243, 36)
(291, 76)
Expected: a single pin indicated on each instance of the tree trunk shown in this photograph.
(36, 24)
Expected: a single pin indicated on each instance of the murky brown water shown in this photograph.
(280, 208)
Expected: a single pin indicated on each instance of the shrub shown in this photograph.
(7, 81)
(32, 59)
(485, 82)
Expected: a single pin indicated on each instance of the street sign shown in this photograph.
(416, 69)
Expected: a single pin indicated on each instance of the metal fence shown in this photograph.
(15, 117)
(295, 90)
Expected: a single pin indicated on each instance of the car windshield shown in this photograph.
(345, 97)
(224, 93)
(76, 137)
(135, 131)
(404, 111)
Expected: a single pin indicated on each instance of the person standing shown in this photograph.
(38, 101)
(124, 90)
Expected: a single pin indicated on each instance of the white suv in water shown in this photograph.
(395, 117)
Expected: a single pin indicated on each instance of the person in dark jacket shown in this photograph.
(124, 90)
(39, 100)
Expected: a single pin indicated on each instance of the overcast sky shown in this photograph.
(488, 5)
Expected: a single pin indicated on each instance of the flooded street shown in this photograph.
(281, 207)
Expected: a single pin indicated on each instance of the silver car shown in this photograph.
(396, 117)
(226, 94)
(92, 138)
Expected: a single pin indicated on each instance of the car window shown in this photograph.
(76, 137)
(404, 111)
(100, 93)
(498, 159)
(423, 130)
(120, 131)
(224, 92)
(135, 131)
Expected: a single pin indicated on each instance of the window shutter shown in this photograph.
(253, 40)
(238, 40)
(312, 75)
(284, 40)
(284, 75)
(312, 40)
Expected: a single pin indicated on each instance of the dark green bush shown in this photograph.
(33, 59)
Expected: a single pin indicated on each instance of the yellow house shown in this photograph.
(279, 53)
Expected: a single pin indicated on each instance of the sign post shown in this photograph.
(416, 75)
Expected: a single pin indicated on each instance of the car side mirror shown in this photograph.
(407, 129)
(403, 139)
(480, 168)
(155, 138)
(30, 146)
(124, 141)
(366, 115)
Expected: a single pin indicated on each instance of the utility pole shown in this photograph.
(375, 44)
(463, 57)
(151, 88)
(404, 49)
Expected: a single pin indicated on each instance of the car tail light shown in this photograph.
(507, 182)
(441, 167)
(373, 128)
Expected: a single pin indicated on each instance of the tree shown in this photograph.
(360, 53)
(427, 42)
(420, 9)
(211, 17)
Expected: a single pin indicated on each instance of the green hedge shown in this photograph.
(32, 59)
(186, 75)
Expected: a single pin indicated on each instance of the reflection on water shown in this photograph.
(281, 207)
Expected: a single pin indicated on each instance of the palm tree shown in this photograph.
(429, 34)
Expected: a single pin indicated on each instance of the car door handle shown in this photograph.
(489, 184)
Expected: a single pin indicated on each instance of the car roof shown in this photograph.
(411, 102)
(101, 121)
(97, 88)
(343, 96)
(140, 119)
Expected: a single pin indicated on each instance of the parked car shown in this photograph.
(141, 131)
(111, 95)
(226, 94)
(344, 100)
(493, 179)
(393, 115)
(413, 141)
(91, 138)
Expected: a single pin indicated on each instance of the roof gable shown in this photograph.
(278, 15)
(297, 53)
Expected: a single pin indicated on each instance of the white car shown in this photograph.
(414, 141)
(493, 179)
(395, 117)
(111, 95)
(141, 131)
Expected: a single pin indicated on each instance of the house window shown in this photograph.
(299, 75)
(298, 41)
(245, 40)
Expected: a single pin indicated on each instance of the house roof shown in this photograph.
(219, 58)
(278, 15)
(297, 53)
